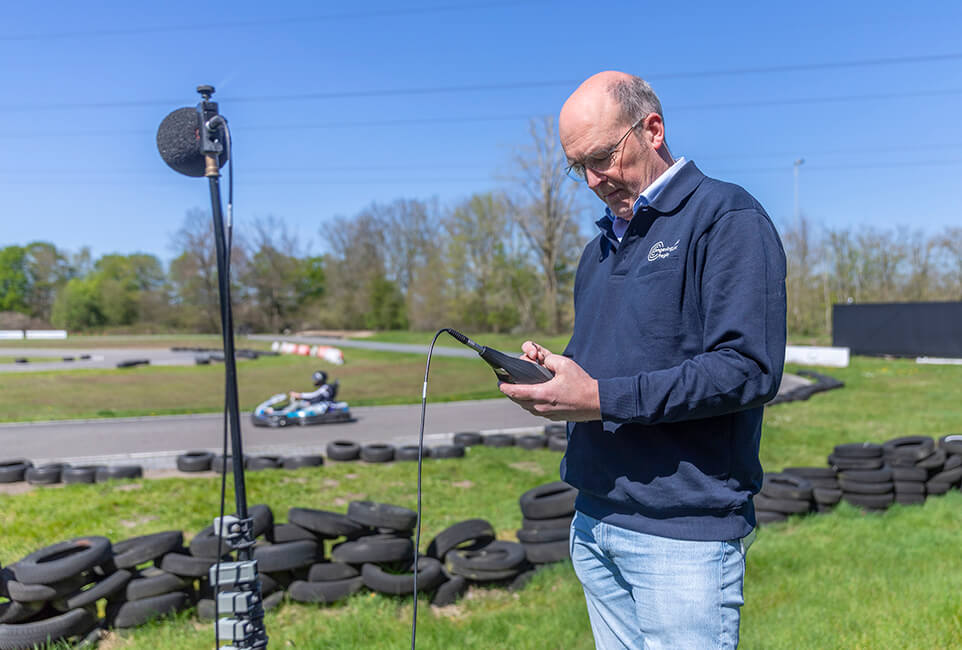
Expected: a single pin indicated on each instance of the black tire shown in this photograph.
(47, 630)
(297, 462)
(909, 498)
(79, 474)
(532, 442)
(44, 474)
(471, 533)
(909, 487)
(563, 521)
(861, 487)
(377, 579)
(787, 506)
(375, 549)
(447, 451)
(450, 592)
(63, 560)
(36, 593)
(910, 474)
(325, 524)
(951, 476)
(935, 462)
(548, 501)
(951, 443)
(787, 486)
(858, 450)
(13, 470)
(499, 440)
(288, 556)
(284, 533)
(146, 548)
(871, 501)
(468, 438)
(952, 461)
(546, 552)
(103, 588)
(148, 585)
(195, 461)
(329, 571)
(842, 463)
(382, 515)
(912, 448)
(499, 555)
(542, 535)
(937, 488)
(17, 612)
(343, 450)
(113, 472)
(556, 429)
(769, 517)
(881, 475)
(826, 496)
(324, 592)
(131, 363)
(482, 575)
(558, 443)
(186, 566)
(132, 613)
(377, 452)
(409, 452)
(811, 472)
(256, 463)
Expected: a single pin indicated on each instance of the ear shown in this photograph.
(653, 128)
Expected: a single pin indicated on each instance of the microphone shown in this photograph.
(187, 134)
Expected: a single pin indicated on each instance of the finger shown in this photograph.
(531, 350)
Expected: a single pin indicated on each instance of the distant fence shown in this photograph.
(18, 335)
(909, 329)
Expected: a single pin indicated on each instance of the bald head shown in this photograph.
(612, 127)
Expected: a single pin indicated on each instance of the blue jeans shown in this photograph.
(650, 592)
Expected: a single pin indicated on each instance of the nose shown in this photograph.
(594, 178)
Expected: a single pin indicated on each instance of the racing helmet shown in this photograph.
(319, 377)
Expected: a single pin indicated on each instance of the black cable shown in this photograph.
(417, 534)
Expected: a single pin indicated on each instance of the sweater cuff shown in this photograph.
(619, 398)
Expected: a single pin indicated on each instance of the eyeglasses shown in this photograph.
(577, 170)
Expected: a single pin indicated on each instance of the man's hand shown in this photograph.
(572, 395)
(293, 395)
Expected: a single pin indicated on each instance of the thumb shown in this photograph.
(554, 362)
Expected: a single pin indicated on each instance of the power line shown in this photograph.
(222, 25)
(466, 88)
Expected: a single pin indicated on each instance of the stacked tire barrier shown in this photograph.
(53, 594)
(871, 476)
(20, 469)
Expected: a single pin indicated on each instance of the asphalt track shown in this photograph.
(156, 441)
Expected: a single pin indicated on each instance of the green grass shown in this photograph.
(840, 580)
(504, 342)
(367, 378)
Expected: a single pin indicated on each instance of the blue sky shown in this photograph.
(335, 106)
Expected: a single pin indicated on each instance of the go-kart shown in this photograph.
(279, 411)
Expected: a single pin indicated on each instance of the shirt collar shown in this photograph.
(645, 199)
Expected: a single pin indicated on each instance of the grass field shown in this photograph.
(368, 378)
(839, 580)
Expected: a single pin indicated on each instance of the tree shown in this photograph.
(542, 204)
(48, 270)
(14, 280)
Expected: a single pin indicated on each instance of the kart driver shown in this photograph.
(324, 392)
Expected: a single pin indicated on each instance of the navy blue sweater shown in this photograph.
(683, 325)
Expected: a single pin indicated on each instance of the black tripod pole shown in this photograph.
(212, 172)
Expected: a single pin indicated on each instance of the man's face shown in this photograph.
(590, 130)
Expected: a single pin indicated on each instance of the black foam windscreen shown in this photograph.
(178, 141)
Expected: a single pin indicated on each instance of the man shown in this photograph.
(679, 339)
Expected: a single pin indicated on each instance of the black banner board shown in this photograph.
(905, 329)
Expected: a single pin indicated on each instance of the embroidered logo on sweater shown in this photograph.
(659, 251)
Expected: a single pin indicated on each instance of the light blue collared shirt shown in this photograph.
(620, 225)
